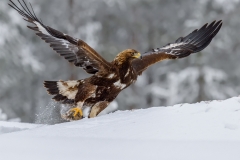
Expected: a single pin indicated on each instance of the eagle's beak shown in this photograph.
(137, 55)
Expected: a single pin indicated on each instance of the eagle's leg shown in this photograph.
(76, 113)
(97, 108)
(72, 114)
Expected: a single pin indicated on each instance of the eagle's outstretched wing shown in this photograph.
(182, 47)
(74, 50)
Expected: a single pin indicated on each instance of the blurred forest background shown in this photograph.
(110, 26)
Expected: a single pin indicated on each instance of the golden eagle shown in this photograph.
(108, 78)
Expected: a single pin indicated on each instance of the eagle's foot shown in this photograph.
(73, 114)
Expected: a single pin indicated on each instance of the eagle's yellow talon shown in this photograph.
(73, 114)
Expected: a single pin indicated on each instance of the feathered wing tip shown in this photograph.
(48, 34)
(201, 38)
(25, 11)
(53, 89)
(192, 43)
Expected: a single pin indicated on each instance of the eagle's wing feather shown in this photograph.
(182, 47)
(74, 50)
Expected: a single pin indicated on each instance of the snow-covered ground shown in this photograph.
(201, 131)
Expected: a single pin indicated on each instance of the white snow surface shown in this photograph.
(201, 131)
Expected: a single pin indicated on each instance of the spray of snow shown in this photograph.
(51, 113)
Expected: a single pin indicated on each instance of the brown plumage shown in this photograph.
(108, 78)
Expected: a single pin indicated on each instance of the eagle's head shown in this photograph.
(127, 56)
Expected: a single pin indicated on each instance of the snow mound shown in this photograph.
(205, 130)
(7, 127)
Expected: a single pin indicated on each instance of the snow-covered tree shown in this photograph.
(3, 116)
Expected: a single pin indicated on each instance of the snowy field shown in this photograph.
(201, 131)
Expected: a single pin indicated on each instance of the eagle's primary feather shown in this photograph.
(109, 78)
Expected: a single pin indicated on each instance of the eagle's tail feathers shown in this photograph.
(52, 87)
(64, 91)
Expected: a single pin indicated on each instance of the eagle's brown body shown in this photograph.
(112, 83)
(108, 78)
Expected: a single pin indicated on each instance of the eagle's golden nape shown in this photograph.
(108, 78)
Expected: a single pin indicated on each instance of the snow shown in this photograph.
(205, 130)
(7, 127)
